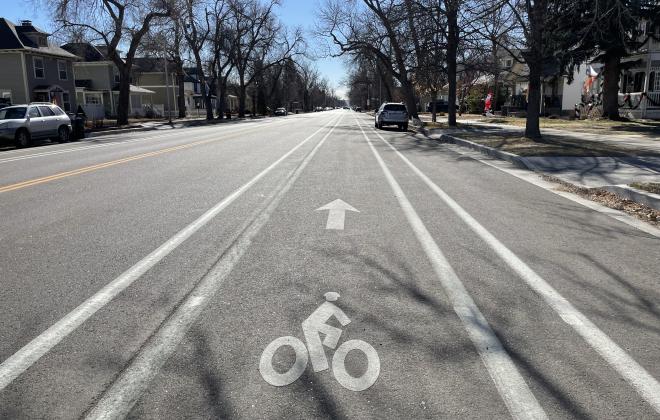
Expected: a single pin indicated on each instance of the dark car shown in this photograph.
(440, 106)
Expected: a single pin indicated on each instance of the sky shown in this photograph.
(292, 12)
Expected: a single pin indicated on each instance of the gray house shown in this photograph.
(31, 69)
(97, 83)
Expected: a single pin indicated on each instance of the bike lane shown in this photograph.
(386, 287)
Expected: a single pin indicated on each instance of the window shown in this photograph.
(116, 74)
(12, 113)
(508, 63)
(46, 111)
(93, 98)
(395, 107)
(56, 110)
(33, 112)
(39, 69)
(67, 101)
(638, 82)
(654, 82)
(61, 68)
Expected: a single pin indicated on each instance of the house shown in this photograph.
(153, 74)
(97, 83)
(193, 90)
(639, 84)
(640, 81)
(32, 69)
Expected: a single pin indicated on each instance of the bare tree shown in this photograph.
(118, 24)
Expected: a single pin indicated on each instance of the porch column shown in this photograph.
(645, 89)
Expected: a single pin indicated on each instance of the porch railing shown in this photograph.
(636, 100)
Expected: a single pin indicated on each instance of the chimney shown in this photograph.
(26, 23)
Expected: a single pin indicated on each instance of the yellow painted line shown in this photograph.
(96, 167)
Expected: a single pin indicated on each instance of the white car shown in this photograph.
(391, 113)
(39, 120)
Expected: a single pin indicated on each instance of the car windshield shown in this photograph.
(395, 107)
(12, 113)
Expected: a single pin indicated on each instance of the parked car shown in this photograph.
(280, 111)
(440, 106)
(39, 120)
(357, 109)
(391, 113)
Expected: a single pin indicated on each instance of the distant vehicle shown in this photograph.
(357, 109)
(440, 106)
(392, 114)
(318, 108)
(280, 111)
(344, 107)
(39, 120)
(327, 108)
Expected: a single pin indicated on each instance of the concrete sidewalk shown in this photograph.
(643, 142)
(614, 174)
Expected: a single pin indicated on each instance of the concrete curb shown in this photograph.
(623, 191)
(118, 131)
(633, 194)
(509, 157)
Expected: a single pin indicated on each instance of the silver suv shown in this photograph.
(39, 120)
(391, 113)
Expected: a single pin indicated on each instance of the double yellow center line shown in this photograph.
(98, 166)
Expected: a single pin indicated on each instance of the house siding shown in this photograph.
(51, 76)
(12, 78)
(101, 75)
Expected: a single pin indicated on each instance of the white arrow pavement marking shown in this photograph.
(337, 213)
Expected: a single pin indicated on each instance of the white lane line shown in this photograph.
(642, 381)
(509, 383)
(535, 179)
(118, 400)
(229, 131)
(20, 361)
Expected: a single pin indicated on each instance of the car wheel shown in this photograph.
(405, 127)
(63, 135)
(22, 138)
(376, 123)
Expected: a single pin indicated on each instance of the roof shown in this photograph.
(134, 89)
(86, 51)
(14, 37)
(152, 64)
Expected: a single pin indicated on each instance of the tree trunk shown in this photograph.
(611, 86)
(242, 93)
(123, 102)
(207, 100)
(181, 94)
(532, 126)
(409, 95)
(434, 117)
(221, 99)
(452, 47)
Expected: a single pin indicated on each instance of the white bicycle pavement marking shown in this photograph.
(641, 380)
(20, 361)
(515, 393)
(118, 400)
(313, 327)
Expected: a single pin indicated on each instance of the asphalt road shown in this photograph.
(152, 275)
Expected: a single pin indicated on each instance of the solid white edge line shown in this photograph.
(534, 179)
(645, 384)
(511, 386)
(117, 401)
(20, 361)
